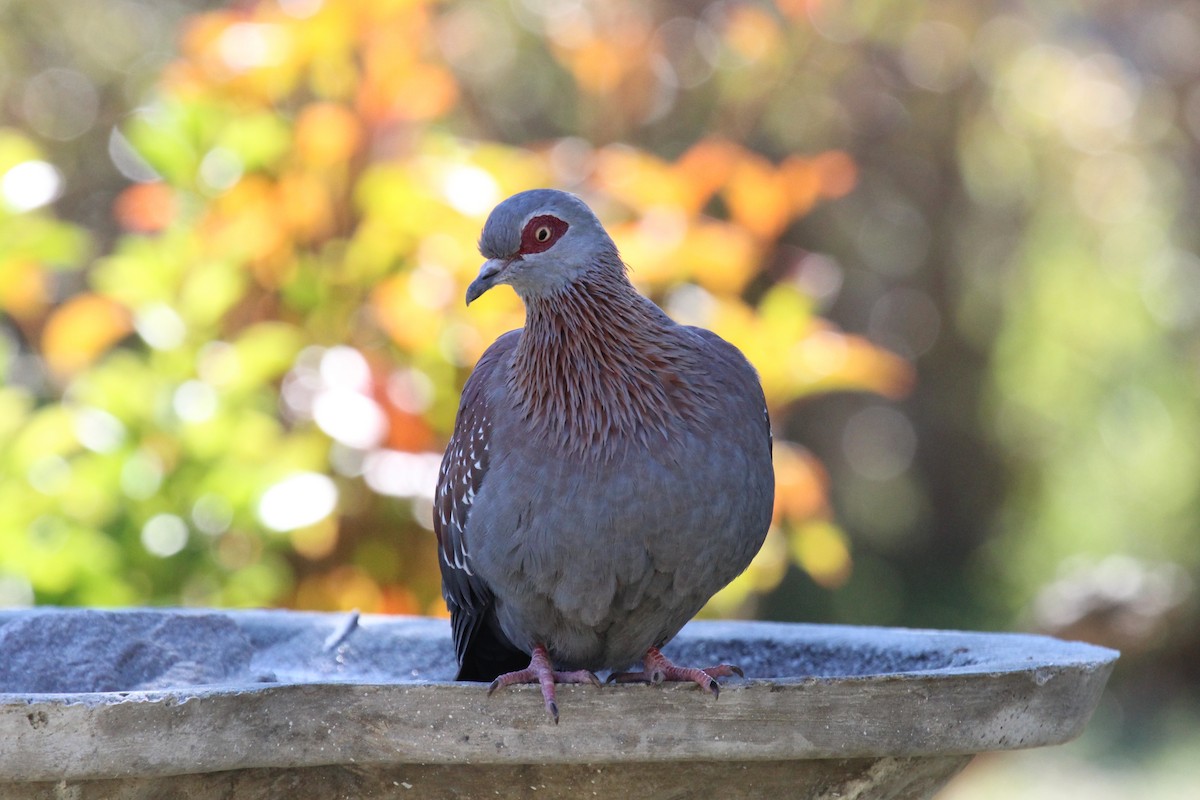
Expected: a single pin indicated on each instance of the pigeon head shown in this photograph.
(540, 242)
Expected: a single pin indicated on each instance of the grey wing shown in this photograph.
(463, 471)
(463, 468)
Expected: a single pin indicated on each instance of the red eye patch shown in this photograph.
(541, 233)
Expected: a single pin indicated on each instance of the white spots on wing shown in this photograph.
(458, 483)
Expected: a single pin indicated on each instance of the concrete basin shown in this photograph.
(218, 704)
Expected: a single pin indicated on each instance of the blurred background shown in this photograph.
(958, 239)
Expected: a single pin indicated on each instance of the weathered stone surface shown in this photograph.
(263, 699)
(827, 779)
(98, 651)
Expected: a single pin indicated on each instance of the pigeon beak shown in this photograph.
(489, 275)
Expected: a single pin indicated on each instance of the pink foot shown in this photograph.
(541, 671)
(657, 668)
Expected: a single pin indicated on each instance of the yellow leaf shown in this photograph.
(642, 181)
(828, 360)
(23, 291)
(316, 541)
(821, 550)
(410, 324)
(78, 331)
(764, 574)
(721, 257)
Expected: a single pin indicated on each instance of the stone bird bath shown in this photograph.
(205, 704)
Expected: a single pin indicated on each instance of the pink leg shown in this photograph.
(658, 668)
(541, 671)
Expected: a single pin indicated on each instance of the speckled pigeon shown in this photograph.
(609, 471)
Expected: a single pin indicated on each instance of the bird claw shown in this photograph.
(542, 673)
(657, 669)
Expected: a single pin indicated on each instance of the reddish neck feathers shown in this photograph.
(597, 364)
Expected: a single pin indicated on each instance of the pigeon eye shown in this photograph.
(540, 233)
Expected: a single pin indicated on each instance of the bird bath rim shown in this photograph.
(308, 692)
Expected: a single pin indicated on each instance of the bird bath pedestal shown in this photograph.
(249, 704)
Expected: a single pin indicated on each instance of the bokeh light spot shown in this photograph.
(15, 592)
(164, 535)
(30, 185)
(195, 401)
(98, 430)
(212, 514)
(249, 45)
(350, 418)
(60, 103)
(879, 443)
(298, 500)
(160, 326)
(470, 190)
(301, 9)
(220, 169)
(400, 474)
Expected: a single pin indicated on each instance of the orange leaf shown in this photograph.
(78, 331)
(145, 207)
(327, 134)
(801, 484)
(802, 180)
(247, 222)
(705, 167)
(399, 600)
(598, 65)
(305, 203)
(414, 92)
(751, 32)
(837, 172)
(340, 589)
(758, 197)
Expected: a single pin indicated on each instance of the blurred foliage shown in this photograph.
(234, 239)
(231, 277)
(240, 398)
